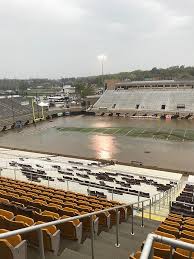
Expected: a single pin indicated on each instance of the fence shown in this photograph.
(147, 252)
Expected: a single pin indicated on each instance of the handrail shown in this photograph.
(60, 221)
(66, 163)
(166, 195)
(148, 246)
(88, 184)
(185, 203)
(56, 222)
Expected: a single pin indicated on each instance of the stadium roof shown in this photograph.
(157, 82)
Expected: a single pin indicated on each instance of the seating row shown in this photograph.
(174, 226)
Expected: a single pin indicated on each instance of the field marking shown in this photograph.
(91, 131)
(141, 133)
(105, 130)
(128, 132)
(184, 135)
(169, 134)
(116, 131)
(157, 131)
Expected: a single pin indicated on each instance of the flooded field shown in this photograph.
(111, 138)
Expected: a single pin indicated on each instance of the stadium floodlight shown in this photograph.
(102, 58)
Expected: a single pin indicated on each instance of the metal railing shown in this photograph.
(148, 250)
(152, 201)
(39, 227)
(166, 196)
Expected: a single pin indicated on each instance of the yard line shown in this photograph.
(169, 134)
(116, 131)
(156, 132)
(91, 131)
(105, 130)
(141, 132)
(184, 134)
(129, 131)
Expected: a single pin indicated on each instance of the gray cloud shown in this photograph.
(53, 38)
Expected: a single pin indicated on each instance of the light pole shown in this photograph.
(102, 58)
(12, 108)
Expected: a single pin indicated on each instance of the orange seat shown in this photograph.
(6, 214)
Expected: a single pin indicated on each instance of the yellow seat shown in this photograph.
(71, 230)
(3, 200)
(7, 214)
(50, 213)
(24, 219)
(12, 247)
(138, 254)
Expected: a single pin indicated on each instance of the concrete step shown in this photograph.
(103, 249)
(104, 244)
(70, 254)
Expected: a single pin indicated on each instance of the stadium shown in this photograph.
(150, 99)
(60, 200)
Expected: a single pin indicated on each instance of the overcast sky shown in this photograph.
(55, 38)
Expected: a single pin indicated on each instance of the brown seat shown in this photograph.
(83, 208)
(174, 219)
(189, 222)
(178, 255)
(56, 201)
(86, 223)
(70, 204)
(7, 214)
(164, 234)
(103, 220)
(54, 207)
(50, 213)
(71, 230)
(187, 234)
(24, 219)
(45, 218)
(69, 212)
(161, 250)
(168, 229)
(173, 215)
(188, 227)
(138, 254)
(51, 238)
(12, 247)
(171, 223)
(3, 200)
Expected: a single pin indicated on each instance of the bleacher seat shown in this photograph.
(12, 247)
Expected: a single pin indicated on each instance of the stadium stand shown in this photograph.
(179, 226)
(25, 204)
(146, 100)
(98, 184)
(20, 208)
(10, 105)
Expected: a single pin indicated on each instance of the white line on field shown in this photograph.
(184, 134)
(169, 134)
(129, 131)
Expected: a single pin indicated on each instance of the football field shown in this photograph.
(155, 133)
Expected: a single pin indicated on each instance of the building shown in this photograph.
(68, 90)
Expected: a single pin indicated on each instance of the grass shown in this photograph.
(156, 133)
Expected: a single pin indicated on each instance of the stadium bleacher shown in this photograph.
(10, 105)
(24, 203)
(178, 225)
(147, 100)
